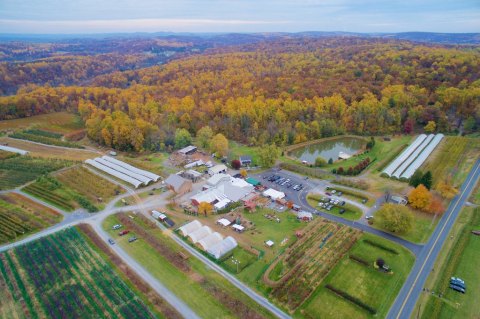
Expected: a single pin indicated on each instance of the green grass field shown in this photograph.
(236, 150)
(459, 258)
(61, 122)
(372, 287)
(191, 287)
(351, 212)
(423, 226)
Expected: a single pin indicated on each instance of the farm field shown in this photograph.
(296, 274)
(45, 151)
(52, 191)
(152, 163)
(60, 122)
(18, 170)
(351, 212)
(44, 137)
(453, 159)
(423, 226)
(61, 276)
(5, 155)
(362, 281)
(92, 186)
(20, 217)
(162, 258)
(458, 258)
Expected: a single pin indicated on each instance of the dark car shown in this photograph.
(132, 239)
(111, 241)
(123, 232)
(342, 211)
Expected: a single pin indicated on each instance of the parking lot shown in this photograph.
(290, 185)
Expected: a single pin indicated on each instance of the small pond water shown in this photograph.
(329, 149)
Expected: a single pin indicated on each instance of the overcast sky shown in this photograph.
(100, 16)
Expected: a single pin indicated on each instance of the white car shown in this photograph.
(368, 217)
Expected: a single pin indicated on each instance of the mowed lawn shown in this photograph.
(351, 212)
(186, 286)
(461, 260)
(372, 287)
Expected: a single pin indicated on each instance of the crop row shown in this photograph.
(44, 140)
(43, 133)
(50, 197)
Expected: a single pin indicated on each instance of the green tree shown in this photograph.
(416, 178)
(267, 155)
(469, 124)
(204, 136)
(395, 218)
(219, 145)
(430, 127)
(182, 138)
(320, 162)
(330, 161)
(427, 180)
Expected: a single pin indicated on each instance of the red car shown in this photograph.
(123, 232)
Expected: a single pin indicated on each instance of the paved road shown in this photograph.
(405, 302)
(240, 285)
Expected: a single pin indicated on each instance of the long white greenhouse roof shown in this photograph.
(210, 241)
(200, 233)
(190, 227)
(413, 156)
(423, 156)
(115, 173)
(222, 248)
(145, 180)
(405, 154)
(13, 150)
(134, 169)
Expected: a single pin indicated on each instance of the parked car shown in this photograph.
(123, 232)
(111, 241)
(328, 194)
(342, 203)
(364, 201)
(117, 226)
(368, 217)
(333, 191)
(457, 288)
(339, 193)
(132, 239)
(341, 211)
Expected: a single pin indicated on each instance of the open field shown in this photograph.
(52, 191)
(236, 150)
(61, 122)
(370, 286)
(38, 150)
(152, 162)
(20, 217)
(459, 258)
(452, 159)
(18, 170)
(5, 155)
(351, 212)
(61, 276)
(423, 226)
(44, 137)
(161, 257)
(92, 186)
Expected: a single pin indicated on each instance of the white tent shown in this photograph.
(224, 222)
(238, 228)
(210, 241)
(117, 174)
(148, 174)
(273, 194)
(13, 150)
(190, 227)
(222, 248)
(199, 234)
(269, 243)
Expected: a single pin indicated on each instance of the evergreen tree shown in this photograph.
(427, 179)
(416, 178)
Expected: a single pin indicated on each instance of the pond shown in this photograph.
(329, 149)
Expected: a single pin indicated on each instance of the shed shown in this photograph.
(269, 243)
(252, 181)
(245, 160)
(238, 228)
(178, 184)
(217, 169)
(188, 150)
(273, 194)
(223, 222)
(222, 248)
(190, 228)
(199, 234)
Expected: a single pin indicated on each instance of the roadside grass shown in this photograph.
(376, 289)
(351, 212)
(459, 257)
(61, 122)
(187, 286)
(453, 159)
(423, 226)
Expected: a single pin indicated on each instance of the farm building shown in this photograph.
(397, 200)
(210, 241)
(217, 169)
(273, 194)
(13, 150)
(252, 181)
(218, 178)
(194, 164)
(222, 248)
(224, 187)
(190, 227)
(211, 195)
(188, 150)
(200, 233)
(343, 155)
(245, 160)
(178, 184)
(221, 204)
(192, 175)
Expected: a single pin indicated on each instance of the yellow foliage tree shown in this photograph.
(446, 189)
(420, 197)
(205, 208)
(430, 127)
(243, 173)
(220, 144)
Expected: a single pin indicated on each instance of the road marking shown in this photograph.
(435, 243)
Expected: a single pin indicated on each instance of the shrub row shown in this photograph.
(44, 140)
(352, 299)
(360, 184)
(43, 133)
(354, 170)
(359, 260)
(378, 245)
(305, 170)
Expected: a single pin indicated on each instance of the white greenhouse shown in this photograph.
(135, 182)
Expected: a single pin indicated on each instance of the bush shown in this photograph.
(320, 162)
(352, 299)
(236, 164)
